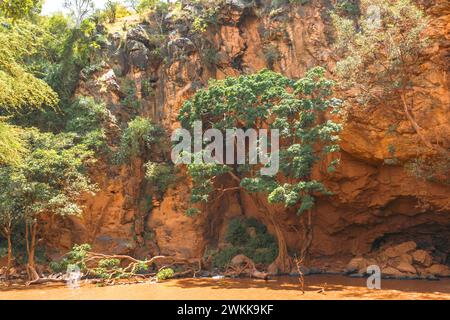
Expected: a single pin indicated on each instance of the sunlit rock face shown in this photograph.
(376, 204)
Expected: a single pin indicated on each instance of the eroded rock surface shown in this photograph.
(376, 204)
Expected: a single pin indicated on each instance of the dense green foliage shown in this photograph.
(49, 179)
(435, 168)
(379, 54)
(84, 117)
(139, 137)
(348, 7)
(269, 99)
(40, 62)
(53, 174)
(11, 146)
(17, 9)
(299, 110)
(160, 175)
(20, 88)
(256, 244)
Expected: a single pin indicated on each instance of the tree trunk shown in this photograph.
(419, 129)
(308, 236)
(30, 237)
(283, 262)
(10, 256)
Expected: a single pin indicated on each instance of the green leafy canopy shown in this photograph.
(269, 100)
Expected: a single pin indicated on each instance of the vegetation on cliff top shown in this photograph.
(381, 50)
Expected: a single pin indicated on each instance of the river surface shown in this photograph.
(333, 287)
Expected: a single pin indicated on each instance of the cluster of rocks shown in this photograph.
(141, 47)
(400, 261)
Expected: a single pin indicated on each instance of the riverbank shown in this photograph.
(317, 287)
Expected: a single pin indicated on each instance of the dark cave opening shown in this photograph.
(432, 237)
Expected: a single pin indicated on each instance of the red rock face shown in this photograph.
(374, 203)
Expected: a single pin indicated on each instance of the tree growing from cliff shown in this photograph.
(140, 137)
(382, 51)
(268, 100)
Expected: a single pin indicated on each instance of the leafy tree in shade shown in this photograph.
(12, 184)
(50, 179)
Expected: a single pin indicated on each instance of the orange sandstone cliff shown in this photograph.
(377, 204)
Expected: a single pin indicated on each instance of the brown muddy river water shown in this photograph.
(335, 287)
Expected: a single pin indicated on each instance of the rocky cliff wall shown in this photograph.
(377, 203)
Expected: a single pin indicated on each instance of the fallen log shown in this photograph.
(92, 259)
(45, 280)
(241, 264)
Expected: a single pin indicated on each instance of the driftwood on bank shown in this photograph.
(239, 265)
(242, 264)
(41, 280)
(92, 258)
